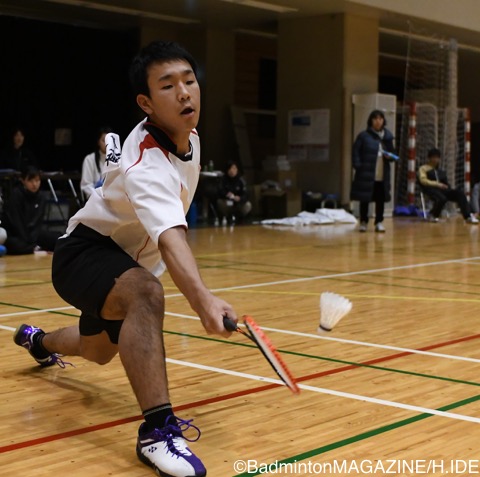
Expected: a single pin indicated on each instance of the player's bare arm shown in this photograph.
(184, 271)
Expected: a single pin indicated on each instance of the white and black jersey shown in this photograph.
(147, 190)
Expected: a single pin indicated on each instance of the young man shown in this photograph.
(434, 183)
(106, 265)
(23, 216)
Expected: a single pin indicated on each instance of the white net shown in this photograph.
(430, 116)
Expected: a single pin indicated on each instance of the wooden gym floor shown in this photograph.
(393, 388)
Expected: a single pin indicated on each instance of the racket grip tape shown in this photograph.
(229, 324)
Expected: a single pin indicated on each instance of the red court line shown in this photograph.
(224, 397)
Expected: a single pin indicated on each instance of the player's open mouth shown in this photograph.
(187, 111)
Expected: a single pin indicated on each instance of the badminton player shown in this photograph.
(115, 247)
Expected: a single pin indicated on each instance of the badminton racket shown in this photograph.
(258, 337)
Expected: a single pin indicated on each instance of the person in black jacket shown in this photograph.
(232, 201)
(23, 217)
(371, 181)
(17, 156)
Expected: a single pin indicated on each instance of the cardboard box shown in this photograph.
(294, 202)
(278, 204)
(286, 179)
(274, 204)
(255, 198)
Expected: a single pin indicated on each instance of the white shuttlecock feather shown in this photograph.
(333, 307)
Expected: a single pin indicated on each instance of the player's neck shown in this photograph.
(183, 143)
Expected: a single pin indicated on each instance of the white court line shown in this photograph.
(29, 312)
(309, 335)
(357, 397)
(344, 274)
(342, 340)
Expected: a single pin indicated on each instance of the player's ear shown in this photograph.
(144, 102)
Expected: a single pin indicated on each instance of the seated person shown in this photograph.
(93, 167)
(232, 201)
(475, 199)
(434, 184)
(23, 217)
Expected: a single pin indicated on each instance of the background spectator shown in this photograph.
(434, 183)
(23, 216)
(232, 201)
(93, 167)
(17, 156)
(371, 182)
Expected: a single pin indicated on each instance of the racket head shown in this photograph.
(271, 354)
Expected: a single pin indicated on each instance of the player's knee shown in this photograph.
(98, 348)
(150, 294)
(98, 356)
(102, 360)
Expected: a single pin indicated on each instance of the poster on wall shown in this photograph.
(309, 135)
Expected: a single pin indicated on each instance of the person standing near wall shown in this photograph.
(371, 182)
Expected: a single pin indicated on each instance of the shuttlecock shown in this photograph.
(333, 308)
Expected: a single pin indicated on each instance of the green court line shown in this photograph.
(292, 353)
(343, 442)
(327, 270)
(359, 437)
(394, 285)
(324, 271)
(332, 360)
(23, 270)
(25, 307)
(24, 284)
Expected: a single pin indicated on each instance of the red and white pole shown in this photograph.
(467, 153)
(412, 153)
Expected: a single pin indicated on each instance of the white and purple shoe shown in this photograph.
(166, 450)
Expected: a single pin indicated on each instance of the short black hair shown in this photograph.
(29, 172)
(233, 162)
(434, 152)
(156, 52)
(376, 113)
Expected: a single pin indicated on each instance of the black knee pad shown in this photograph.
(91, 325)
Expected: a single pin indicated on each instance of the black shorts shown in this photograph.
(84, 268)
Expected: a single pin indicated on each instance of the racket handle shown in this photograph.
(229, 324)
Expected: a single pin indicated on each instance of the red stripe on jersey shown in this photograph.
(165, 151)
(147, 143)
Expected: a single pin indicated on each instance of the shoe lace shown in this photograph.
(60, 362)
(174, 430)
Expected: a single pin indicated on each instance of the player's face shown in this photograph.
(174, 101)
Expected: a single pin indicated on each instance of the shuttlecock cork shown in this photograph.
(333, 307)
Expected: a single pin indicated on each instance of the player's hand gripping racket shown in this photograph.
(256, 335)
